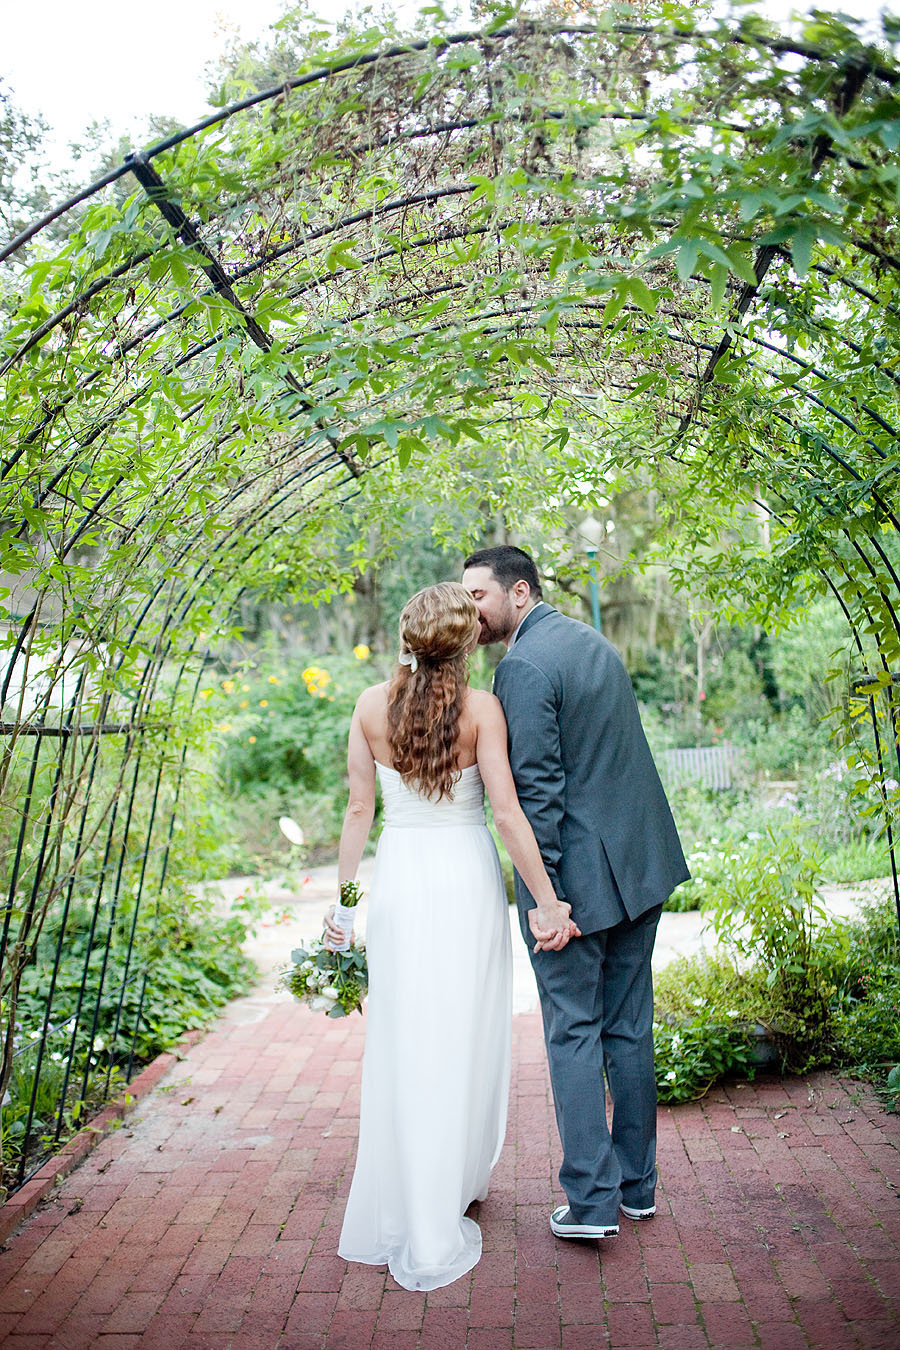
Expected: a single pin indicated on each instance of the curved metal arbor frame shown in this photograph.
(416, 256)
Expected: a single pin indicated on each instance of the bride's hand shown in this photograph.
(332, 935)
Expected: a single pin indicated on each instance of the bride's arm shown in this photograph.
(360, 810)
(550, 922)
(361, 804)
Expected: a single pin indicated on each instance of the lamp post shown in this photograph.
(593, 534)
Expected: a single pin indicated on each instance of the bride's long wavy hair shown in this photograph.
(437, 628)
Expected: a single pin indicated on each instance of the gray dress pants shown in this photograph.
(597, 1004)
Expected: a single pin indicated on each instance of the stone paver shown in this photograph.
(211, 1219)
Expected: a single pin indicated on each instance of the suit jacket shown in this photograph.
(584, 773)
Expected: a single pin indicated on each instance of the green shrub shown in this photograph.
(867, 1029)
(828, 992)
(858, 860)
(691, 1056)
(865, 973)
(702, 1008)
(283, 751)
(765, 908)
(194, 964)
(286, 729)
(711, 986)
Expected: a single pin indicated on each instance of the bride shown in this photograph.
(435, 1073)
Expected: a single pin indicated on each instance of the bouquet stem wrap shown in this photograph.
(344, 918)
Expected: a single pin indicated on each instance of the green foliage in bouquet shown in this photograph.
(351, 894)
(332, 982)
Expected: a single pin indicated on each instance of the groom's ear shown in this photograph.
(521, 593)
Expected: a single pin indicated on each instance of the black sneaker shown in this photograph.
(564, 1226)
(631, 1213)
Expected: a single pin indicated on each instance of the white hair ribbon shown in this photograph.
(409, 659)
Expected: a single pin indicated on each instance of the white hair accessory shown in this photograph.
(409, 659)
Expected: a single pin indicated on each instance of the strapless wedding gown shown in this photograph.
(435, 1076)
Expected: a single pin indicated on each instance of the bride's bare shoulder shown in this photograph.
(481, 703)
(373, 697)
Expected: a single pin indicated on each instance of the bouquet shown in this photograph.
(332, 982)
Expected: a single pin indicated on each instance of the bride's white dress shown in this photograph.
(435, 1077)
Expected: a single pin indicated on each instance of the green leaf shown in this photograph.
(641, 385)
(802, 243)
(718, 283)
(641, 294)
(341, 255)
(180, 274)
(615, 303)
(101, 243)
(686, 259)
(741, 264)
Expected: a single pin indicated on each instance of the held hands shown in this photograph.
(552, 926)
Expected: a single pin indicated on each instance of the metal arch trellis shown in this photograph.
(246, 345)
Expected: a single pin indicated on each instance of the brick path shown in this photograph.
(211, 1220)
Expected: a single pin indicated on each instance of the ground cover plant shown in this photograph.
(813, 991)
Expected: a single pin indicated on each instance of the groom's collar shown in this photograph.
(537, 612)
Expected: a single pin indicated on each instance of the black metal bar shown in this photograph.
(20, 847)
(856, 71)
(51, 322)
(123, 851)
(165, 861)
(778, 45)
(35, 889)
(109, 931)
(168, 205)
(70, 890)
(79, 729)
(92, 188)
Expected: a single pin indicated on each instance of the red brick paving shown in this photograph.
(211, 1220)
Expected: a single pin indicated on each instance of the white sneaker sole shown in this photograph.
(637, 1214)
(580, 1230)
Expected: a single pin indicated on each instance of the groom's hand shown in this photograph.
(552, 928)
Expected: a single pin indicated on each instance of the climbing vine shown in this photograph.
(514, 268)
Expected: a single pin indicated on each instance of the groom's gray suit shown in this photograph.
(588, 785)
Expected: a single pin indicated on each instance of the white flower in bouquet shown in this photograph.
(333, 982)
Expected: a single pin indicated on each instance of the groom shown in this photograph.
(588, 785)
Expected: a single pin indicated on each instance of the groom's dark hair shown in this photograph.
(509, 565)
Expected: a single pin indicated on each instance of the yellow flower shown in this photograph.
(206, 693)
(228, 686)
(224, 726)
(273, 679)
(361, 652)
(252, 740)
(244, 703)
(310, 673)
(323, 679)
(264, 703)
(311, 689)
(244, 688)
